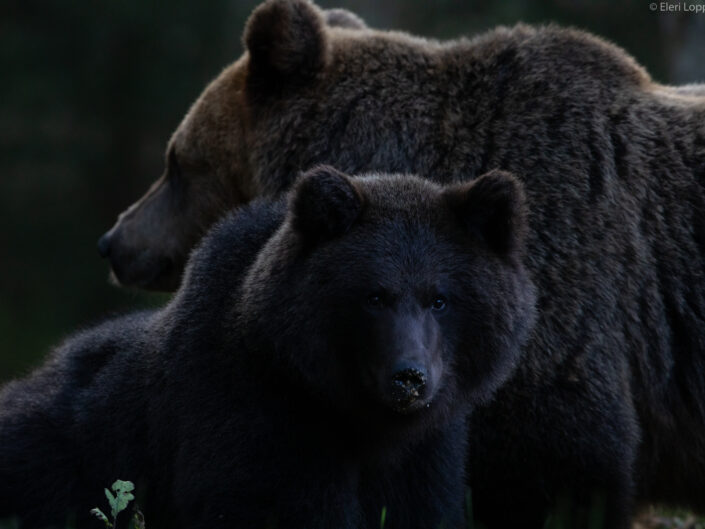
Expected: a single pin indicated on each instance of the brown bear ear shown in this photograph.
(493, 208)
(324, 203)
(342, 18)
(285, 38)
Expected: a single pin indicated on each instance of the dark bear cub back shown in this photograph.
(317, 382)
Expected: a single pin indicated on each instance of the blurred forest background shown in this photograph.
(92, 91)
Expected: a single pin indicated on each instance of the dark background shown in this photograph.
(91, 91)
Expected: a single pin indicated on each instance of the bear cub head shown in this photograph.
(390, 297)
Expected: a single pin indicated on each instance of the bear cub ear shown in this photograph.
(493, 208)
(324, 203)
(285, 38)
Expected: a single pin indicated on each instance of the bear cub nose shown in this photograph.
(407, 386)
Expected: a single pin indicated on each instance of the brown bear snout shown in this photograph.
(134, 266)
(104, 245)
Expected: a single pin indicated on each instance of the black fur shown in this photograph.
(324, 204)
(608, 403)
(263, 395)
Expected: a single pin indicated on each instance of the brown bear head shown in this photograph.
(213, 160)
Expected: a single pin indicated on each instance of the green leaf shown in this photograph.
(123, 496)
(101, 516)
(111, 501)
(123, 486)
(383, 518)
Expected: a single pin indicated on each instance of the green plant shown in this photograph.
(118, 501)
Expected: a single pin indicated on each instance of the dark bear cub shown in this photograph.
(306, 379)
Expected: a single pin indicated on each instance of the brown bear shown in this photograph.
(316, 367)
(319, 87)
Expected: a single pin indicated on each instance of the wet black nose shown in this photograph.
(104, 245)
(408, 386)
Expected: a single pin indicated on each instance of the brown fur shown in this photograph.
(613, 166)
(364, 99)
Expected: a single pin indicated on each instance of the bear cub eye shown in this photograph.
(375, 300)
(439, 304)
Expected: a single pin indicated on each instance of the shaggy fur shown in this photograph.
(546, 103)
(266, 394)
(609, 402)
